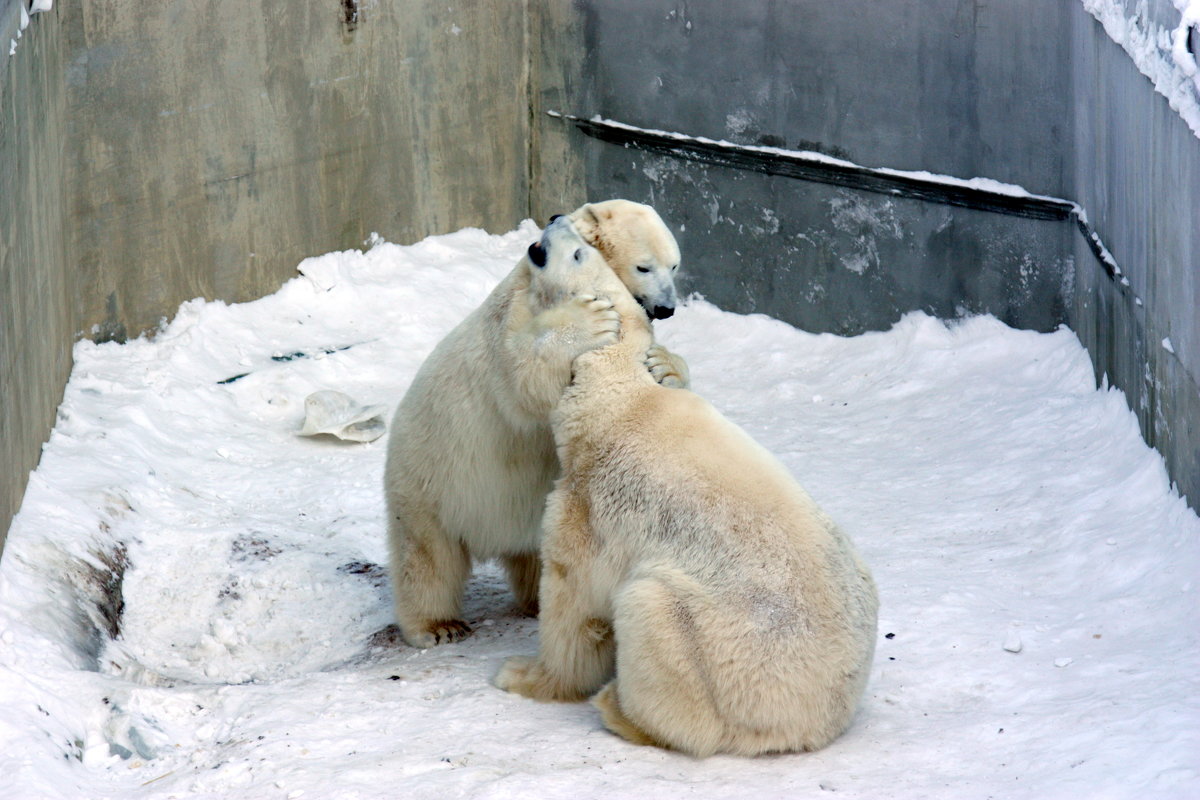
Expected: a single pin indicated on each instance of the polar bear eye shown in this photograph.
(579, 256)
(643, 269)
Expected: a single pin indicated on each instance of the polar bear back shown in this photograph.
(483, 426)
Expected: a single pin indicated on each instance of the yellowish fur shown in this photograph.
(742, 620)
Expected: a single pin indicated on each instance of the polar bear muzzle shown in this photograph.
(537, 254)
(661, 312)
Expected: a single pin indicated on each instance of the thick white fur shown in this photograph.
(470, 455)
(642, 252)
(679, 554)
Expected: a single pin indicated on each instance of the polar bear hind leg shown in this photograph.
(662, 681)
(524, 573)
(429, 570)
(614, 718)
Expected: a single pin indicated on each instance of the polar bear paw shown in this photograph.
(525, 675)
(437, 632)
(666, 368)
(601, 320)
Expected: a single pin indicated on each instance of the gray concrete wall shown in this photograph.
(1137, 172)
(215, 144)
(36, 328)
(949, 86)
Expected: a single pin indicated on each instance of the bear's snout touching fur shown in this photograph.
(662, 312)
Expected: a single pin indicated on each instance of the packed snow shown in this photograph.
(193, 601)
(1161, 44)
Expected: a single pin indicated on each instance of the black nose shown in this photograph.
(537, 254)
(662, 312)
(556, 216)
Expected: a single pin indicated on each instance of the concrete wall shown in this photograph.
(917, 85)
(1137, 172)
(36, 327)
(215, 144)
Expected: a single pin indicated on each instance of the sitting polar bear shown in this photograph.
(679, 553)
(470, 457)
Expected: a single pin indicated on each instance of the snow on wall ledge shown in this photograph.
(191, 599)
(1163, 51)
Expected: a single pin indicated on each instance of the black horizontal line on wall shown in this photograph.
(820, 169)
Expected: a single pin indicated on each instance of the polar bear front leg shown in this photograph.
(576, 650)
(540, 356)
(575, 657)
(584, 322)
(667, 368)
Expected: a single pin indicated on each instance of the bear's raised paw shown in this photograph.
(666, 368)
(601, 320)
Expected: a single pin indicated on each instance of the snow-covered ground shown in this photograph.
(1038, 575)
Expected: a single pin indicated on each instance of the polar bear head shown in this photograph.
(563, 264)
(637, 246)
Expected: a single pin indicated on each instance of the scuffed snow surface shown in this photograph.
(1158, 48)
(1037, 572)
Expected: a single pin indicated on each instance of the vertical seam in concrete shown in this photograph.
(529, 107)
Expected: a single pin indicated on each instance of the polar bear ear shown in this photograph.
(587, 224)
(537, 254)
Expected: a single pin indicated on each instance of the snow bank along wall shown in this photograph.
(151, 153)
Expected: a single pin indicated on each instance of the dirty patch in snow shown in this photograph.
(193, 598)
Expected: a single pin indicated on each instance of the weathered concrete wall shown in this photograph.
(1137, 172)
(215, 144)
(915, 85)
(36, 329)
(953, 86)
(556, 178)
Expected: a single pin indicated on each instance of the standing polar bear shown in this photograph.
(679, 553)
(470, 457)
